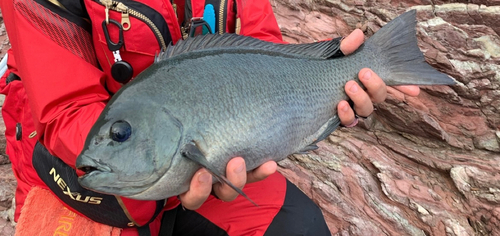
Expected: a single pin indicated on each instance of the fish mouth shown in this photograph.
(88, 169)
(102, 179)
(88, 165)
(106, 183)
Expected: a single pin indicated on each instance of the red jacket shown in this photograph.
(64, 65)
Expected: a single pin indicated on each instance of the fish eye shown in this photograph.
(120, 131)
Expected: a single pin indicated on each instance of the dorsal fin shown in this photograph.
(239, 43)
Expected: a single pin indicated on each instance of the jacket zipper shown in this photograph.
(125, 21)
(221, 16)
(57, 3)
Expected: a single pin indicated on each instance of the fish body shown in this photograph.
(212, 98)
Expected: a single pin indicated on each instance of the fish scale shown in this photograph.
(306, 106)
(211, 98)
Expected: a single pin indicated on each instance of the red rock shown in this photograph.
(6, 228)
(426, 165)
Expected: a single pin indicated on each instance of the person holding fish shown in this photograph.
(68, 58)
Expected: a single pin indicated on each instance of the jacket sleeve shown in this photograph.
(57, 66)
(257, 20)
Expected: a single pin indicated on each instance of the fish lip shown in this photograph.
(88, 165)
(110, 188)
(85, 163)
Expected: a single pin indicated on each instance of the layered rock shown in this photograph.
(428, 165)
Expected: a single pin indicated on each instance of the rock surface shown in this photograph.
(428, 165)
(7, 189)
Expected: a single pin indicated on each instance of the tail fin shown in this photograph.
(396, 42)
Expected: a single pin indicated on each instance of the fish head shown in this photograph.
(129, 148)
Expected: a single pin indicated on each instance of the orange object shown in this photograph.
(42, 214)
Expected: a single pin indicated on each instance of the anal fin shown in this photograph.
(308, 148)
(331, 125)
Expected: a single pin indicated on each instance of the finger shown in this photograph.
(199, 190)
(345, 113)
(363, 105)
(236, 174)
(410, 90)
(262, 172)
(374, 85)
(352, 42)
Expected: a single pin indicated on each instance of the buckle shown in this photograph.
(198, 26)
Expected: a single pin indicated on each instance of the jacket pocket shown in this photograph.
(147, 29)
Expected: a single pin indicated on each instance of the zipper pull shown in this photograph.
(107, 4)
(106, 11)
(125, 21)
(125, 16)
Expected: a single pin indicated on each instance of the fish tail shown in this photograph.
(395, 45)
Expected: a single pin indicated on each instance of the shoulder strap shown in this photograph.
(63, 182)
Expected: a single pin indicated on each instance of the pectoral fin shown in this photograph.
(191, 152)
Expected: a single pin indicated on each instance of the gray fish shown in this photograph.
(211, 98)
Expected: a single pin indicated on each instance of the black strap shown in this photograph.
(168, 222)
(63, 182)
(144, 231)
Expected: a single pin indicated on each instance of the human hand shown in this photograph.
(201, 183)
(376, 90)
